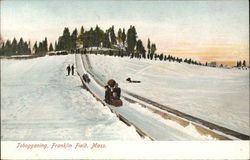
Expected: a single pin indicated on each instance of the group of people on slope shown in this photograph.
(112, 92)
(72, 68)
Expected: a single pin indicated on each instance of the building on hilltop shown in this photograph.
(212, 64)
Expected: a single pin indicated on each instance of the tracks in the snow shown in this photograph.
(122, 118)
(192, 118)
(202, 126)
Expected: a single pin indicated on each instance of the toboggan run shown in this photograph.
(202, 126)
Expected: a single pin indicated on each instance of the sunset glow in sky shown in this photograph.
(204, 30)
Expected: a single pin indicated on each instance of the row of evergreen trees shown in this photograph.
(41, 47)
(93, 37)
(22, 47)
(149, 55)
(98, 38)
(171, 58)
(14, 47)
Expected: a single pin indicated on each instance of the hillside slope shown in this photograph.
(217, 95)
(39, 102)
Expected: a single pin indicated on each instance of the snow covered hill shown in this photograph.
(220, 96)
(39, 102)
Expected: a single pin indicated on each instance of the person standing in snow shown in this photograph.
(68, 69)
(72, 69)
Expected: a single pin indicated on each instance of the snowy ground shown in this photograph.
(220, 96)
(152, 124)
(39, 102)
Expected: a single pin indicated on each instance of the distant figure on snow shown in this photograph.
(72, 69)
(86, 78)
(68, 69)
(132, 81)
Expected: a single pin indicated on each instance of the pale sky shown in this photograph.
(190, 28)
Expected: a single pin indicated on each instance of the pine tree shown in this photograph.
(80, 36)
(35, 48)
(112, 36)
(161, 56)
(131, 39)
(165, 58)
(29, 44)
(20, 47)
(149, 46)
(151, 56)
(13, 47)
(119, 38)
(51, 47)
(64, 41)
(40, 48)
(2, 46)
(8, 48)
(174, 59)
(98, 36)
(153, 48)
(123, 36)
(140, 51)
(244, 63)
(240, 64)
(180, 60)
(45, 46)
(155, 56)
(169, 58)
(74, 38)
(26, 49)
(89, 38)
(106, 41)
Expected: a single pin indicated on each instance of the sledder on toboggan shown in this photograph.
(113, 93)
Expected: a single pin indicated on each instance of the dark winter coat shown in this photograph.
(72, 69)
(68, 68)
(108, 94)
(117, 90)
